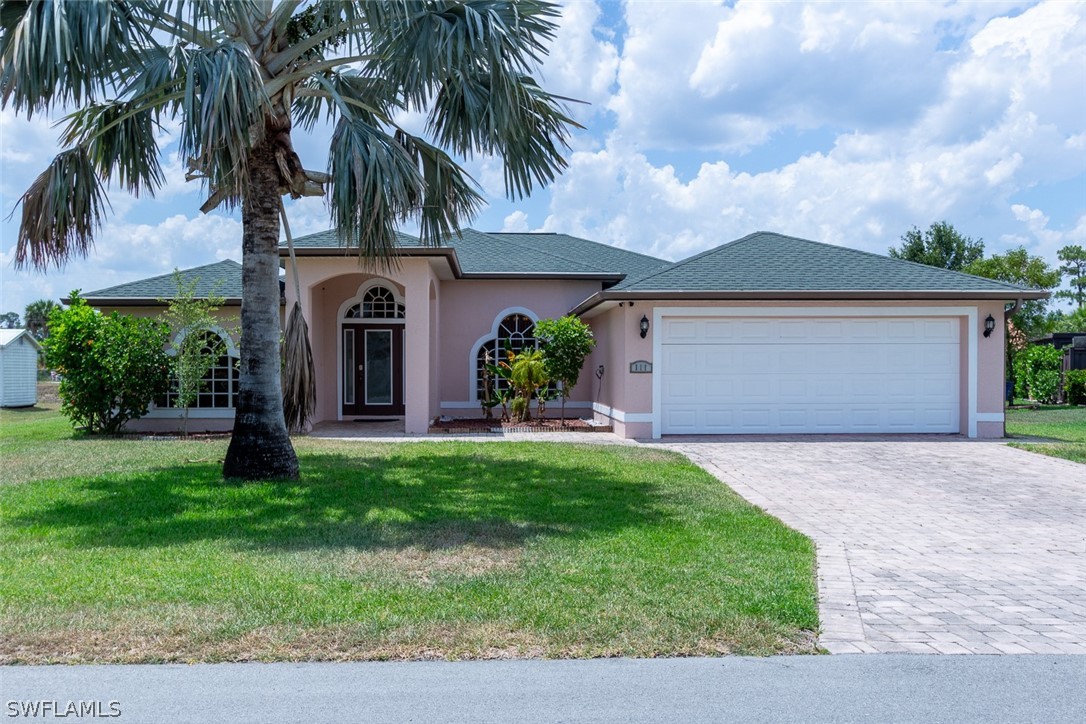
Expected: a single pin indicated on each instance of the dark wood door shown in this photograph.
(373, 369)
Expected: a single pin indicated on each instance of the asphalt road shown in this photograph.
(886, 688)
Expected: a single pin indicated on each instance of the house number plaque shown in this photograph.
(640, 366)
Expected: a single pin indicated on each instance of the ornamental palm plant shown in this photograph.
(239, 77)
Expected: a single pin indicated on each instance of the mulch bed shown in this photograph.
(477, 426)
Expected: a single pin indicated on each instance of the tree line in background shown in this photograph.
(941, 245)
(1033, 371)
(35, 318)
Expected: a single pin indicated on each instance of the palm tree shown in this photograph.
(37, 317)
(238, 76)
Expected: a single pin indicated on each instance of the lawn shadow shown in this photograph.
(427, 500)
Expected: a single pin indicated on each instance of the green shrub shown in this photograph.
(528, 375)
(1074, 387)
(567, 341)
(1037, 372)
(112, 366)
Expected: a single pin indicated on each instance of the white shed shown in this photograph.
(18, 368)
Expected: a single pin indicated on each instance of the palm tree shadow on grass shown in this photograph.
(430, 501)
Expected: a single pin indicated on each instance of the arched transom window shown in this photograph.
(377, 303)
(219, 386)
(516, 332)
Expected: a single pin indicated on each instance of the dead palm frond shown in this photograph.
(299, 384)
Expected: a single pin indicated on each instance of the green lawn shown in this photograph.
(1062, 428)
(136, 551)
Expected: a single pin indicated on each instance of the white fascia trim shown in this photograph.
(970, 313)
(195, 413)
(620, 415)
(990, 417)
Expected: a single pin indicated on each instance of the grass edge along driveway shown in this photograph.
(1062, 427)
(431, 550)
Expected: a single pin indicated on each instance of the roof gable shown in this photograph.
(10, 336)
(769, 262)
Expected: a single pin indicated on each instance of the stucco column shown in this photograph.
(417, 382)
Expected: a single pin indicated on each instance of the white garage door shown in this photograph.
(722, 375)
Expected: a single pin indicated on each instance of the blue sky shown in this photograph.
(847, 123)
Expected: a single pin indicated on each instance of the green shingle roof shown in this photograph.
(520, 253)
(764, 261)
(221, 279)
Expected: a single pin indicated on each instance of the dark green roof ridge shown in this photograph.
(831, 268)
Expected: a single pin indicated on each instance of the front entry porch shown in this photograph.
(373, 336)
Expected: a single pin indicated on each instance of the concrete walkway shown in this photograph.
(926, 545)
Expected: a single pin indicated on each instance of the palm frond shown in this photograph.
(163, 72)
(510, 116)
(327, 95)
(66, 52)
(299, 383)
(62, 210)
(450, 195)
(317, 29)
(213, 18)
(374, 184)
(420, 44)
(223, 112)
(473, 61)
(120, 141)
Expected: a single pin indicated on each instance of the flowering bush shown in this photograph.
(112, 366)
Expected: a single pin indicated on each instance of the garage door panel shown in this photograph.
(735, 376)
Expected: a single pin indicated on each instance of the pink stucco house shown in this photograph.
(769, 334)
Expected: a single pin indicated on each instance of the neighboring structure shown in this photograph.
(18, 368)
(767, 334)
(1073, 345)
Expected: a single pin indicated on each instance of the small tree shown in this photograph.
(1074, 267)
(10, 320)
(113, 366)
(195, 350)
(528, 374)
(567, 341)
(940, 245)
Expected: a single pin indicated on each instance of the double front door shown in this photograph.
(373, 369)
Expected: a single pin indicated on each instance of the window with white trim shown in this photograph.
(219, 387)
(377, 303)
(516, 332)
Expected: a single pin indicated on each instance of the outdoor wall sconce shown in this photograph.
(989, 325)
(644, 326)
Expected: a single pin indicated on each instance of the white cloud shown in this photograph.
(126, 252)
(729, 77)
(580, 64)
(876, 181)
(515, 222)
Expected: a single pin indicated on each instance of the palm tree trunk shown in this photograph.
(260, 447)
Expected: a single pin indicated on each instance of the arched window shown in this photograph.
(516, 332)
(219, 387)
(377, 303)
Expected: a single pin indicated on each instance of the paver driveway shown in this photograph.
(926, 545)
